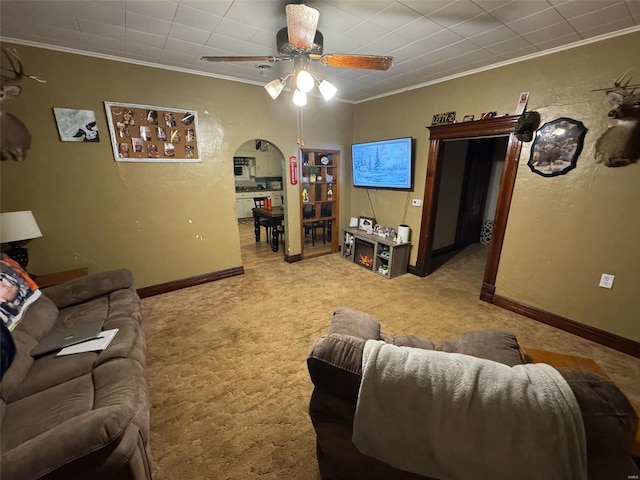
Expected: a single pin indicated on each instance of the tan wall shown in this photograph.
(164, 221)
(563, 232)
(454, 161)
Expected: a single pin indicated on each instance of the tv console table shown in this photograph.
(378, 254)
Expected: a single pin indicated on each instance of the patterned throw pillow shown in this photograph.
(17, 291)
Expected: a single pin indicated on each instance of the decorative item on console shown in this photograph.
(366, 224)
(403, 233)
(15, 139)
(619, 145)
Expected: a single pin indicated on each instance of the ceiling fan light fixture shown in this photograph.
(299, 98)
(328, 90)
(274, 87)
(304, 81)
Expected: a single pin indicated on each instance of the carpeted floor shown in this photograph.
(226, 360)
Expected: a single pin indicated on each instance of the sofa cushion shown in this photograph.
(495, 345)
(82, 417)
(95, 285)
(355, 323)
(49, 370)
(42, 315)
(335, 365)
(413, 341)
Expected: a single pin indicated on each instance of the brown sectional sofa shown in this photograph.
(335, 368)
(81, 416)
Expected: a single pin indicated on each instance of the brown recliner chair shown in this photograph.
(335, 367)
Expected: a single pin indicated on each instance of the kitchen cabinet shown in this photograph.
(268, 166)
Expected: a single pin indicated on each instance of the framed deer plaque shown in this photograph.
(557, 146)
(148, 133)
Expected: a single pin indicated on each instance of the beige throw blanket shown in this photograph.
(456, 417)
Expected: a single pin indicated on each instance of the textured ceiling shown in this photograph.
(429, 40)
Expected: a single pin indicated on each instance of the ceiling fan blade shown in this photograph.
(302, 22)
(345, 60)
(242, 59)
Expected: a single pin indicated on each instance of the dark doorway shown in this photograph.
(499, 126)
(468, 191)
(474, 191)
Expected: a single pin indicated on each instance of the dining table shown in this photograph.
(276, 215)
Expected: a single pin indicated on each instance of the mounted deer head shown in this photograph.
(619, 145)
(14, 136)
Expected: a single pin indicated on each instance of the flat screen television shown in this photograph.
(383, 164)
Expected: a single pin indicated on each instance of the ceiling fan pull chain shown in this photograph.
(299, 121)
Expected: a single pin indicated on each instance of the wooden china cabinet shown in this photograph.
(319, 180)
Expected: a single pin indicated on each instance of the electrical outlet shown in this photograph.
(416, 202)
(606, 280)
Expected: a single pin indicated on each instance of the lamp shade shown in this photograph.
(17, 226)
(328, 90)
(274, 87)
(299, 98)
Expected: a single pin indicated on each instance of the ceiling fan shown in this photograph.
(301, 42)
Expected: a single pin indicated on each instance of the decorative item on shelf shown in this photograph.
(353, 223)
(313, 173)
(444, 118)
(468, 118)
(329, 192)
(403, 234)
(366, 223)
(487, 115)
(328, 178)
(305, 179)
(305, 195)
(16, 227)
(324, 160)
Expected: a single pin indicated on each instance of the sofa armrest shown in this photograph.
(81, 289)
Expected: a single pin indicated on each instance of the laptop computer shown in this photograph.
(57, 340)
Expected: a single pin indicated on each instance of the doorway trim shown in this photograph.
(493, 127)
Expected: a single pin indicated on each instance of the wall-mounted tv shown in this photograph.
(383, 164)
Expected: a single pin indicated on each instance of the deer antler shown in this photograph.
(16, 69)
(619, 86)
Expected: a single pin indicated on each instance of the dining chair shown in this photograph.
(267, 223)
(310, 227)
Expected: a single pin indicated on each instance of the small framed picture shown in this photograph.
(366, 223)
(522, 103)
(467, 118)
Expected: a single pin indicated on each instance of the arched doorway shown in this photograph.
(258, 174)
(500, 126)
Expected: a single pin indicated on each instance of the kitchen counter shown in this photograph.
(245, 204)
(257, 193)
